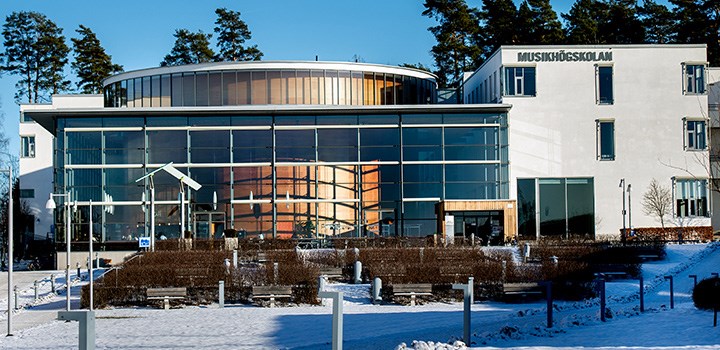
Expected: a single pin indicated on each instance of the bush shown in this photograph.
(706, 295)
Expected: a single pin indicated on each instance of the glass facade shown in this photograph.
(276, 87)
(556, 207)
(369, 174)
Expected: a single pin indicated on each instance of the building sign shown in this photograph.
(144, 242)
(565, 56)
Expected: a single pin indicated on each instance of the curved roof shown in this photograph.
(272, 65)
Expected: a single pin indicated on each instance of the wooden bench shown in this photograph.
(166, 294)
(412, 290)
(272, 293)
(522, 289)
(331, 272)
(192, 274)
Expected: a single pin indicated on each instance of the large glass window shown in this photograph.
(605, 85)
(694, 79)
(606, 140)
(563, 206)
(519, 81)
(691, 198)
(695, 135)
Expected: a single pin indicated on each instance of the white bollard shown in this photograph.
(276, 272)
(235, 258)
(358, 270)
(467, 302)
(221, 294)
(35, 286)
(377, 287)
(16, 297)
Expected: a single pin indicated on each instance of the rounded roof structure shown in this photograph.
(272, 65)
(270, 83)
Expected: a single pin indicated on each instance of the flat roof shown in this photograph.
(46, 117)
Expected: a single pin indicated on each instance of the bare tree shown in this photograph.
(657, 201)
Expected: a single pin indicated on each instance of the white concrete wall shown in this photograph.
(554, 133)
(37, 173)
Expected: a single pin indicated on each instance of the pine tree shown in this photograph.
(232, 33)
(457, 35)
(190, 48)
(92, 65)
(498, 25)
(658, 22)
(538, 24)
(698, 22)
(35, 50)
(604, 22)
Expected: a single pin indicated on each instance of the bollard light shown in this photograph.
(672, 296)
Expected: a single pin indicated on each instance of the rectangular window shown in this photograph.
(605, 140)
(519, 81)
(694, 79)
(27, 146)
(605, 85)
(691, 198)
(695, 135)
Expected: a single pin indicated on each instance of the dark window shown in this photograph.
(695, 135)
(695, 79)
(519, 81)
(605, 85)
(606, 140)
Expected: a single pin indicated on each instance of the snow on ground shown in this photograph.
(388, 326)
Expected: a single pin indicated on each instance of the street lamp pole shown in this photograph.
(90, 257)
(10, 246)
(51, 205)
(622, 185)
(629, 208)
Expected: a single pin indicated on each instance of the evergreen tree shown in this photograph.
(457, 35)
(92, 65)
(658, 22)
(538, 24)
(232, 34)
(582, 22)
(35, 50)
(498, 25)
(418, 66)
(698, 22)
(190, 48)
(604, 22)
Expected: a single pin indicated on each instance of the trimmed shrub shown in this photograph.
(706, 295)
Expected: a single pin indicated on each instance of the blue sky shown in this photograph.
(138, 34)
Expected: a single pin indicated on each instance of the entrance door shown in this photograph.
(209, 224)
(486, 226)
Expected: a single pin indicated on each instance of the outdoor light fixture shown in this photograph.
(50, 204)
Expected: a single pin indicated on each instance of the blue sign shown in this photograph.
(144, 242)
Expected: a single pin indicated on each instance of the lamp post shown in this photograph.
(90, 256)
(622, 185)
(629, 198)
(10, 246)
(51, 205)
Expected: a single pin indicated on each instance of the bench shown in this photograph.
(412, 290)
(192, 273)
(331, 272)
(646, 257)
(166, 294)
(272, 293)
(609, 275)
(261, 257)
(522, 289)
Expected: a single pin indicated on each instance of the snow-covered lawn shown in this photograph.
(368, 326)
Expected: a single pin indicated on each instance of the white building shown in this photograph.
(585, 117)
